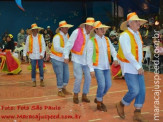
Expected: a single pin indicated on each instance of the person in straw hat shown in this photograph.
(60, 68)
(99, 58)
(35, 47)
(131, 56)
(77, 44)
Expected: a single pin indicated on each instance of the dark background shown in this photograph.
(50, 12)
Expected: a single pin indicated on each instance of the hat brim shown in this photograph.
(39, 28)
(67, 25)
(92, 33)
(124, 24)
(83, 24)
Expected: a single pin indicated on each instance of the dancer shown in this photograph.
(77, 44)
(130, 54)
(35, 46)
(99, 58)
(59, 66)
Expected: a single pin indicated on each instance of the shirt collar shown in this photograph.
(98, 37)
(133, 31)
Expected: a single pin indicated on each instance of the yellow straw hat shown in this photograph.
(98, 24)
(63, 24)
(130, 17)
(89, 21)
(34, 26)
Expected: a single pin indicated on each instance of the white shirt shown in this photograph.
(81, 59)
(57, 47)
(36, 50)
(133, 66)
(103, 62)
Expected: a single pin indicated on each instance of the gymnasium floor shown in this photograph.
(19, 102)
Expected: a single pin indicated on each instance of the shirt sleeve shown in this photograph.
(113, 52)
(126, 47)
(26, 47)
(70, 44)
(89, 49)
(56, 43)
(43, 46)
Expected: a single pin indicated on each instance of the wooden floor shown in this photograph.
(19, 102)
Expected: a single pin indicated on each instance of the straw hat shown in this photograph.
(34, 26)
(98, 24)
(131, 16)
(89, 21)
(63, 24)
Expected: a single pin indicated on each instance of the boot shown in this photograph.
(42, 83)
(66, 92)
(100, 107)
(138, 117)
(120, 110)
(85, 99)
(34, 84)
(75, 98)
(102, 104)
(61, 94)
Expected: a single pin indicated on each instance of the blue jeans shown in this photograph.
(40, 65)
(78, 73)
(104, 83)
(136, 90)
(62, 72)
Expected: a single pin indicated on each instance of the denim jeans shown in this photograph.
(62, 72)
(136, 90)
(40, 65)
(79, 69)
(104, 83)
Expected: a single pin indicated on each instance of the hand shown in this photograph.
(140, 71)
(66, 61)
(115, 63)
(41, 57)
(92, 74)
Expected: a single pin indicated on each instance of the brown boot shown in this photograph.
(120, 110)
(61, 94)
(75, 98)
(66, 92)
(95, 100)
(138, 117)
(102, 104)
(101, 107)
(85, 99)
(42, 83)
(34, 84)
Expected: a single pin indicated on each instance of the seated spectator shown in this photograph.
(50, 32)
(3, 42)
(21, 38)
(115, 44)
(113, 36)
(147, 34)
(47, 55)
(46, 37)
